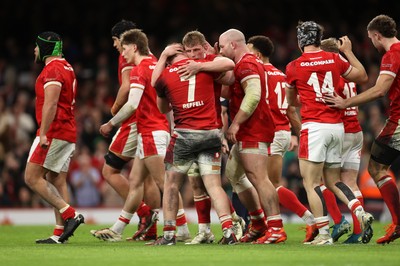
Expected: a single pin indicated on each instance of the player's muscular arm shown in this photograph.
(252, 89)
(291, 96)
(129, 107)
(225, 92)
(219, 64)
(159, 68)
(51, 96)
(382, 86)
(226, 78)
(357, 74)
(162, 61)
(294, 120)
(126, 111)
(123, 92)
(163, 105)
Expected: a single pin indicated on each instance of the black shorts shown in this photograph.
(383, 154)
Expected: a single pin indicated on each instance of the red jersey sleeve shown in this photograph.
(161, 87)
(290, 75)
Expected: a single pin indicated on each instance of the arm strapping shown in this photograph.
(129, 107)
(252, 97)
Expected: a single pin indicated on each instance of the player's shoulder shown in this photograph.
(271, 70)
(393, 53)
(292, 65)
(58, 65)
(248, 60)
(210, 57)
(248, 57)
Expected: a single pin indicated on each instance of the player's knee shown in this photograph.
(29, 180)
(373, 171)
(275, 182)
(197, 189)
(351, 166)
(113, 161)
(242, 185)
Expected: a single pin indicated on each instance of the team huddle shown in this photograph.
(174, 125)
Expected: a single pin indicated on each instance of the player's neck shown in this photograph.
(265, 60)
(241, 51)
(50, 58)
(311, 48)
(389, 42)
(140, 58)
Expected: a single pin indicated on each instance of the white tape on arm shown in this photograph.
(252, 88)
(129, 107)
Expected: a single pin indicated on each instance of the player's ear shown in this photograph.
(216, 47)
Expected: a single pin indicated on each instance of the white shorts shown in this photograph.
(260, 148)
(281, 143)
(194, 170)
(234, 169)
(124, 141)
(321, 142)
(351, 155)
(195, 152)
(152, 143)
(55, 158)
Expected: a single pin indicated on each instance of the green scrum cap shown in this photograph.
(49, 44)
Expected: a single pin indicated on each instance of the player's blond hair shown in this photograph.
(330, 45)
(193, 38)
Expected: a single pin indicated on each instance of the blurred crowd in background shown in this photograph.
(85, 28)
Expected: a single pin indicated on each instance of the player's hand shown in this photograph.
(294, 143)
(231, 132)
(43, 142)
(172, 49)
(190, 68)
(210, 49)
(105, 129)
(225, 146)
(345, 44)
(335, 101)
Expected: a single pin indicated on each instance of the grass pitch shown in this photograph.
(17, 247)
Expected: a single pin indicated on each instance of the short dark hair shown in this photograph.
(121, 27)
(383, 24)
(263, 44)
(138, 37)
